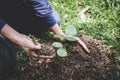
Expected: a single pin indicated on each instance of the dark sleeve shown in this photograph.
(2, 23)
(41, 7)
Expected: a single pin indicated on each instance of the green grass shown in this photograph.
(103, 18)
(103, 21)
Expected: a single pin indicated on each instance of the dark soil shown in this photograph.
(78, 65)
(46, 50)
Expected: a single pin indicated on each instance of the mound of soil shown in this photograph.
(78, 65)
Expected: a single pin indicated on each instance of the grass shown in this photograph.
(103, 22)
(103, 18)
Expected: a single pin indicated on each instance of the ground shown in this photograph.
(78, 65)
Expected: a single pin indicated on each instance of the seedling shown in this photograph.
(69, 31)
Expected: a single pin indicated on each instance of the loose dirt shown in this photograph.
(78, 65)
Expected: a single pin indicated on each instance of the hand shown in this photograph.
(56, 29)
(22, 40)
(29, 46)
(82, 44)
(32, 47)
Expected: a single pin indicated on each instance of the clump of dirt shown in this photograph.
(46, 50)
(78, 65)
(46, 53)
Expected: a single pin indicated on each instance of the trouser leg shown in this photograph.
(7, 61)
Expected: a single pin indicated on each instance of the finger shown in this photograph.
(83, 45)
(47, 57)
(33, 54)
(38, 46)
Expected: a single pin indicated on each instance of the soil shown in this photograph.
(78, 65)
(46, 51)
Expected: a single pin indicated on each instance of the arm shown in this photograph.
(56, 29)
(22, 40)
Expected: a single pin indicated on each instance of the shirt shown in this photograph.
(2, 23)
(40, 8)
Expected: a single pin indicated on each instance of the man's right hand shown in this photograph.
(29, 46)
(22, 40)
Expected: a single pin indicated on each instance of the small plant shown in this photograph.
(69, 31)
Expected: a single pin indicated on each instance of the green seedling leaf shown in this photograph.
(57, 44)
(70, 31)
(59, 36)
(62, 52)
(71, 38)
